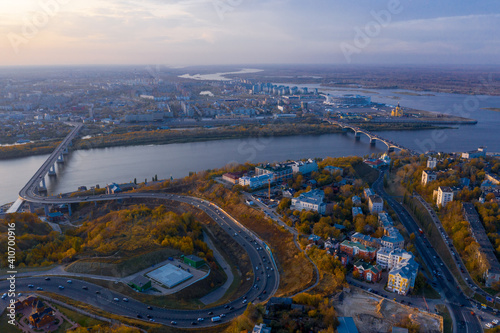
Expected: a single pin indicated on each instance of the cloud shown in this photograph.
(193, 32)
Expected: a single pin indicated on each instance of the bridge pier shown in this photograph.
(357, 136)
(390, 149)
(60, 159)
(69, 210)
(32, 207)
(66, 151)
(46, 210)
(372, 142)
(52, 170)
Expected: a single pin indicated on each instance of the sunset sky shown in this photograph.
(203, 32)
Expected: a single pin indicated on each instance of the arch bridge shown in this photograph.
(391, 146)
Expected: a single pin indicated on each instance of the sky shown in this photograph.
(214, 32)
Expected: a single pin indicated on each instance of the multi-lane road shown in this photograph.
(266, 277)
(458, 303)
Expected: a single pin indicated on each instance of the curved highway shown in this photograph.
(266, 277)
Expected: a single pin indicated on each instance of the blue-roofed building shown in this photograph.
(465, 182)
(55, 217)
(113, 188)
(347, 325)
(313, 238)
(339, 226)
(356, 211)
(392, 239)
(356, 200)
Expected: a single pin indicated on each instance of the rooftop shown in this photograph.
(313, 197)
(376, 199)
(358, 245)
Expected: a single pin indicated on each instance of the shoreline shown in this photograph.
(165, 137)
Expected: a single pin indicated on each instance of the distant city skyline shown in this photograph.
(216, 32)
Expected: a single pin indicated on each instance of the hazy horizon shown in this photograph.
(235, 32)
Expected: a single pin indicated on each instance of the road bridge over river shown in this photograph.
(391, 146)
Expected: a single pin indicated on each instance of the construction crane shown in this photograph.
(269, 190)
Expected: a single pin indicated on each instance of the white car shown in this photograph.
(495, 321)
(488, 325)
(125, 299)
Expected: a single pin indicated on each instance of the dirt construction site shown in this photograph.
(373, 314)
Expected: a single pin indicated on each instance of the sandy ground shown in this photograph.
(374, 314)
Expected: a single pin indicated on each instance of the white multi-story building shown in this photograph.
(428, 176)
(444, 195)
(431, 162)
(389, 258)
(304, 167)
(480, 152)
(375, 204)
(402, 276)
(312, 200)
(256, 181)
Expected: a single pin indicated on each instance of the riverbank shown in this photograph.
(492, 109)
(161, 137)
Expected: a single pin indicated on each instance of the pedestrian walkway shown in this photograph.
(217, 294)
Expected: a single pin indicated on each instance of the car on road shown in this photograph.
(116, 299)
(210, 313)
(97, 292)
(200, 319)
(39, 288)
(30, 286)
(149, 307)
(47, 279)
(173, 322)
(244, 301)
(139, 315)
(85, 288)
(61, 287)
(69, 281)
(125, 299)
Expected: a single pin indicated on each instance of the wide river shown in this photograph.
(123, 164)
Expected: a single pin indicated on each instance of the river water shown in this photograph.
(123, 164)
